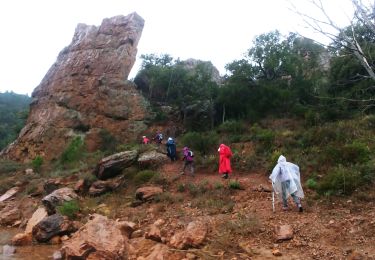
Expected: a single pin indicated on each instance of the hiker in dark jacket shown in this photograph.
(171, 149)
(188, 160)
(158, 138)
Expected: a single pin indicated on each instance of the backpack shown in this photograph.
(190, 153)
(160, 136)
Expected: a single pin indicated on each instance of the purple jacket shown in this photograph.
(187, 157)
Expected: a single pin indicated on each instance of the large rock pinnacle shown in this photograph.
(86, 91)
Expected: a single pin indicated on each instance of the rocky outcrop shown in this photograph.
(113, 165)
(58, 197)
(99, 238)
(85, 93)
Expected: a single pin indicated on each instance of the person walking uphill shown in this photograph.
(171, 149)
(224, 161)
(188, 160)
(286, 182)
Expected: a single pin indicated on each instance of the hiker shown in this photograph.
(171, 149)
(158, 138)
(286, 182)
(145, 140)
(188, 160)
(224, 161)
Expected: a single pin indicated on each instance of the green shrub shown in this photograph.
(69, 208)
(7, 166)
(108, 141)
(73, 152)
(234, 185)
(311, 184)
(265, 137)
(340, 181)
(181, 187)
(143, 176)
(37, 163)
(348, 154)
(232, 127)
(218, 185)
(201, 142)
(193, 189)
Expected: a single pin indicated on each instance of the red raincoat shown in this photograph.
(224, 163)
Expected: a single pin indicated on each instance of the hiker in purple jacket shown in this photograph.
(188, 160)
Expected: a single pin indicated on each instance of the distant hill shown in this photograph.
(14, 109)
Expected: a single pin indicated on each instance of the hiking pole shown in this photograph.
(273, 199)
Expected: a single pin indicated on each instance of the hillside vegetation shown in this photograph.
(13, 114)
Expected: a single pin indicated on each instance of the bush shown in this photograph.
(69, 208)
(202, 142)
(218, 185)
(143, 176)
(193, 189)
(37, 163)
(232, 127)
(7, 166)
(340, 181)
(108, 141)
(181, 187)
(265, 137)
(311, 184)
(234, 185)
(73, 151)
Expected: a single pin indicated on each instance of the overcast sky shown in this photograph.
(33, 32)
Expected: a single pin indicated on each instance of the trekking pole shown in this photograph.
(273, 199)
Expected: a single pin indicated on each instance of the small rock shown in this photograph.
(137, 233)
(64, 238)
(349, 201)
(276, 252)
(191, 256)
(29, 171)
(57, 255)
(159, 222)
(331, 222)
(153, 234)
(8, 250)
(284, 232)
(22, 239)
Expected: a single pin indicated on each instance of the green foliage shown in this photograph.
(108, 141)
(193, 189)
(37, 163)
(201, 142)
(218, 185)
(340, 181)
(8, 166)
(144, 176)
(311, 184)
(69, 208)
(73, 152)
(234, 185)
(13, 115)
(181, 187)
(265, 137)
(232, 127)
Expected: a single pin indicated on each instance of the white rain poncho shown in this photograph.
(285, 171)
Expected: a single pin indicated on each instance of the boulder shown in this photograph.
(147, 193)
(101, 187)
(99, 238)
(152, 159)
(10, 193)
(58, 197)
(113, 165)
(193, 236)
(38, 216)
(54, 225)
(10, 214)
(284, 232)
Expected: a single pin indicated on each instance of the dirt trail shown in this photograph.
(340, 229)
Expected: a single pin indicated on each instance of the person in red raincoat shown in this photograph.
(224, 162)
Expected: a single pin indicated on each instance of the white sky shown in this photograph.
(33, 32)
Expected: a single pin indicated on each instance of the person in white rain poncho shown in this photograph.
(286, 182)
